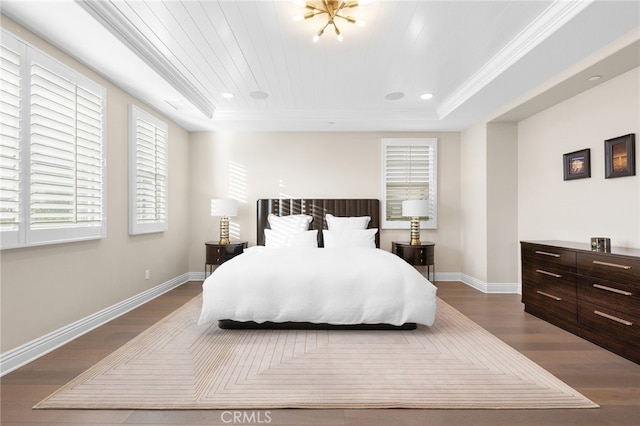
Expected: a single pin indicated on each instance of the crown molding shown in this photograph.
(106, 13)
(553, 18)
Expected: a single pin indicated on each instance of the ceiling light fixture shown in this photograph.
(259, 94)
(333, 9)
(394, 96)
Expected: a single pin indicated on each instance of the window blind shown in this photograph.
(148, 173)
(54, 146)
(66, 173)
(409, 173)
(10, 95)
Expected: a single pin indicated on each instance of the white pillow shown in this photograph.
(293, 223)
(343, 223)
(350, 238)
(277, 239)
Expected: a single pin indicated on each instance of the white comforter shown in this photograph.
(319, 285)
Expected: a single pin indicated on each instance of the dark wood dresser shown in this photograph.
(595, 295)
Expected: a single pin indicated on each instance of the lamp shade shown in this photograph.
(415, 208)
(224, 207)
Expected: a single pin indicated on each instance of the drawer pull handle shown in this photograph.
(611, 317)
(551, 274)
(546, 253)
(613, 290)
(613, 265)
(549, 295)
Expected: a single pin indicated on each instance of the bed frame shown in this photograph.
(317, 208)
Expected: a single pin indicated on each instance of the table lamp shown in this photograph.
(415, 209)
(224, 208)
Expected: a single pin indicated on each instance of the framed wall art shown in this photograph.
(620, 156)
(577, 165)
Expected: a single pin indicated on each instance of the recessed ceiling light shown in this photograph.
(394, 96)
(426, 96)
(228, 95)
(594, 78)
(259, 94)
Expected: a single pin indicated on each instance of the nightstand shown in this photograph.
(417, 255)
(217, 254)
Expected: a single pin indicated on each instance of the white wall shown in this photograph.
(248, 166)
(49, 287)
(502, 203)
(550, 208)
(473, 195)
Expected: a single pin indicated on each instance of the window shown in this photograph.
(408, 173)
(12, 57)
(147, 173)
(51, 150)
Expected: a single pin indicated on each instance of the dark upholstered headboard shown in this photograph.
(317, 208)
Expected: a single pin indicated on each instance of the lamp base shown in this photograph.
(224, 230)
(415, 231)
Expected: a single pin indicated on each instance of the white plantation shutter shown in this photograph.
(60, 155)
(409, 173)
(66, 167)
(147, 172)
(11, 57)
(89, 178)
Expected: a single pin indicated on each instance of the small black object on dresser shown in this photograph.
(593, 294)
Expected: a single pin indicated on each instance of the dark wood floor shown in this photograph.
(605, 378)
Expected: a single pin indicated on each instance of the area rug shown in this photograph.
(177, 364)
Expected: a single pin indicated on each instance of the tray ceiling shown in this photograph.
(181, 57)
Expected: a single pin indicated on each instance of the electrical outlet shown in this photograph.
(147, 274)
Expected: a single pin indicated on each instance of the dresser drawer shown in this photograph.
(609, 267)
(416, 256)
(622, 297)
(217, 254)
(546, 290)
(554, 303)
(422, 254)
(609, 322)
(558, 300)
(549, 255)
(539, 273)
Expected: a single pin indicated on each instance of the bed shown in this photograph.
(318, 264)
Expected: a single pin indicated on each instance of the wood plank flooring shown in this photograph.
(607, 379)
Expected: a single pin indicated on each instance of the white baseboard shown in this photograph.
(34, 349)
(510, 288)
(196, 276)
(478, 284)
(448, 276)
